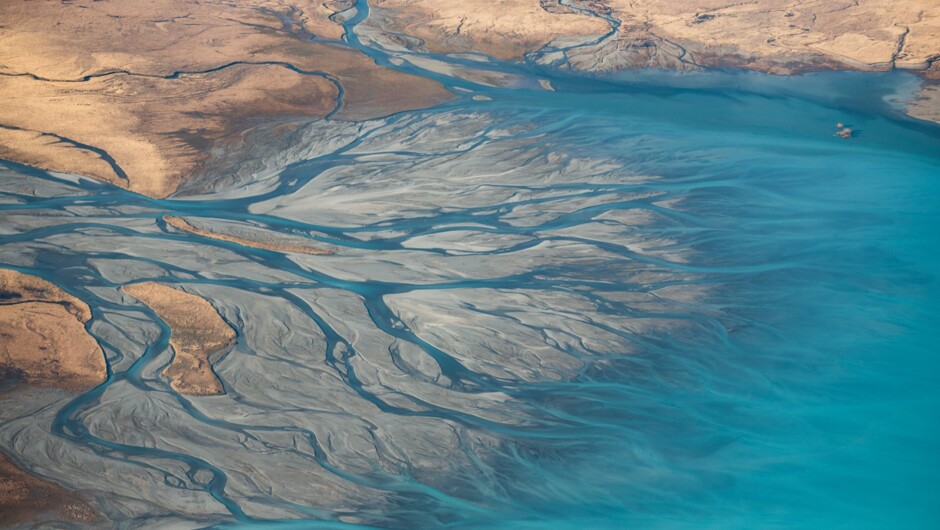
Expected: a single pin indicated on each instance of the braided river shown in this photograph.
(650, 300)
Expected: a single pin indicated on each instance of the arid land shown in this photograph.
(774, 36)
(43, 342)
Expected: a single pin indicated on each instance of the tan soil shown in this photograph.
(505, 29)
(43, 340)
(197, 332)
(773, 35)
(59, 115)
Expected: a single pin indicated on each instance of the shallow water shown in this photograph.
(645, 302)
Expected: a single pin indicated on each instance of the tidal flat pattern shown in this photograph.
(673, 303)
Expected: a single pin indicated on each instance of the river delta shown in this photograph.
(511, 292)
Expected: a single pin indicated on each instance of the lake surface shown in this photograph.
(650, 301)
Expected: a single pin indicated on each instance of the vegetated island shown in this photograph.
(182, 224)
(197, 332)
(43, 340)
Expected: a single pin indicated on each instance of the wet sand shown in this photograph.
(197, 332)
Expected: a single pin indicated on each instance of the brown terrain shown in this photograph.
(197, 332)
(505, 29)
(182, 224)
(43, 340)
(138, 93)
(23, 497)
(780, 36)
(775, 36)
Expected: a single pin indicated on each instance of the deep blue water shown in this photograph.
(800, 391)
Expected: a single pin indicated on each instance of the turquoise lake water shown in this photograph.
(799, 388)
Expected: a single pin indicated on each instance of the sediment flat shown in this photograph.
(44, 341)
(197, 332)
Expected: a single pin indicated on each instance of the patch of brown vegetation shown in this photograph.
(173, 121)
(772, 35)
(182, 224)
(136, 93)
(43, 340)
(197, 332)
(24, 496)
(780, 34)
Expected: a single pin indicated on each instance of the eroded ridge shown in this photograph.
(197, 332)
(43, 340)
(279, 244)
